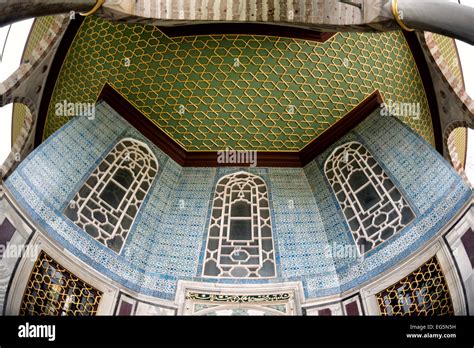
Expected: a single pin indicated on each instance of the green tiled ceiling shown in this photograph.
(238, 91)
(449, 52)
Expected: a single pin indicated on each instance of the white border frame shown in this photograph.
(438, 249)
(185, 306)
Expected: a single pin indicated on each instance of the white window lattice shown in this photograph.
(240, 242)
(107, 204)
(373, 206)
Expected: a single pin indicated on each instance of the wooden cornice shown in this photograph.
(246, 29)
(264, 159)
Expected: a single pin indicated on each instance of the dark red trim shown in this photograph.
(246, 29)
(325, 312)
(468, 242)
(340, 128)
(143, 124)
(265, 159)
(209, 159)
(352, 309)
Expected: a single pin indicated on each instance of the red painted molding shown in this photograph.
(264, 159)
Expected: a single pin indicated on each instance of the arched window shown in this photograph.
(373, 206)
(240, 243)
(106, 205)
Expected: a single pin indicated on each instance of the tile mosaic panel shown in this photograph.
(168, 238)
(424, 292)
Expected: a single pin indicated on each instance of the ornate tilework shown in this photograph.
(167, 241)
(448, 49)
(108, 202)
(460, 143)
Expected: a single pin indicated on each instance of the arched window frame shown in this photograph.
(222, 253)
(365, 224)
(89, 206)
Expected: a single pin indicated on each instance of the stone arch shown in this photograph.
(20, 148)
(11, 92)
(455, 105)
(434, 49)
(25, 70)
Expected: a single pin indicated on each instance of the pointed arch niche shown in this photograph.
(106, 205)
(373, 206)
(240, 242)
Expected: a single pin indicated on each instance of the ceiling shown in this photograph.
(261, 93)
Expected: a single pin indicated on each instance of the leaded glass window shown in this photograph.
(240, 242)
(373, 206)
(106, 205)
(239, 305)
(53, 290)
(423, 292)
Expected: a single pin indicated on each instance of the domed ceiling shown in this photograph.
(238, 91)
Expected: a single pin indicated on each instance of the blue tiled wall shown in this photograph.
(167, 241)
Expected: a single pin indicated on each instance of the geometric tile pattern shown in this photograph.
(38, 31)
(19, 114)
(460, 143)
(239, 91)
(449, 53)
(429, 184)
(168, 239)
(106, 206)
(424, 292)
